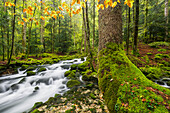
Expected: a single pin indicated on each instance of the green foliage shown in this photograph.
(157, 44)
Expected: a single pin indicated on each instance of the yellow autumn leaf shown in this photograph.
(42, 18)
(114, 4)
(57, 12)
(60, 8)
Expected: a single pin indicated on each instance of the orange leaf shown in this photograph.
(36, 23)
(7, 3)
(143, 100)
(78, 1)
(42, 18)
(55, 17)
(25, 19)
(22, 23)
(73, 2)
(57, 12)
(24, 10)
(48, 13)
(134, 78)
(60, 8)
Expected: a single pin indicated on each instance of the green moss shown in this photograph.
(67, 73)
(73, 67)
(149, 53)
(29, 73)
(92, 96)
(83, 66)
(72, 83)
(24, 67)
(37, 105)
(31, 68)
(82, 59)
(162, 50)
(117, 78)
(36, 111)
(72, 75)
(42, 69)
(157, 44)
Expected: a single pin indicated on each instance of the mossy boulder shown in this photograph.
(168, 83)
(82, 59)
(73, 67)
(42, 69)
(72, 83)
(72, 75)
(83, 66)
(37, 104)
(29, 73)
(120, 81)
(67, 73)
(31, 68)
(24, 67)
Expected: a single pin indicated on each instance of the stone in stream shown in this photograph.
(65, 66)
(24, 67)
(160, 82)
(31, 68)
(73, 67)
(42, 69)
(29, 73)
(168, 83)
(72, 83)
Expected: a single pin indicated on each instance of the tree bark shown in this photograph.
(110, 25)
(93, 22)
(88, 38)
(145, 22)
(136, 28)
(24, 29)
(13, 36)
(128, 31)
(85, 30)
(166, 17)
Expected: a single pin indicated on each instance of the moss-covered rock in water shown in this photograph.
(82, 59)
(73, 67)
(29, 73)
(72, 75)
(124, 86)
(67, 73)
(31, 68)
(83, 66)
(24, 67)
(42, 69)
(37, 104)
(72, 83)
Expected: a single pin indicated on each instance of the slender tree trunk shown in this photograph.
(30, 34)
(128, 31)
(88, 38)
(93, 22)
(85, 30)
(136, 28)
(2, 41)
(24, 29)
(42, 28)
(166, 17)
(13, 36)
(82, 39)
(145, 22)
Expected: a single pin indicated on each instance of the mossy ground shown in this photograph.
(125, 87)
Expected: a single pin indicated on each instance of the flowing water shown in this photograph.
(19, 92)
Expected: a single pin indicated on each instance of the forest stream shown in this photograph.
(19, 92)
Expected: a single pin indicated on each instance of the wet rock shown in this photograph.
(29, 73)
(14, 87)
(166, 79)
(72, 83)
(65, 66)
(73, 67)
(160, 82)
(42, 69)
(67, 73)
(31, 68)
(21, 81)
(82, 59)
(24, 67)
(168, 83)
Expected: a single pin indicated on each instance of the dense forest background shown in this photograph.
(45, 30)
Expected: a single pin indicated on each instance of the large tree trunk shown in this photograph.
(136, 28)
(110, 25)
(166, 17)
(145, 22)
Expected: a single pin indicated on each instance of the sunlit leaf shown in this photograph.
(57, 12)
(60, 8)
(24, 10)
(42, 18)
